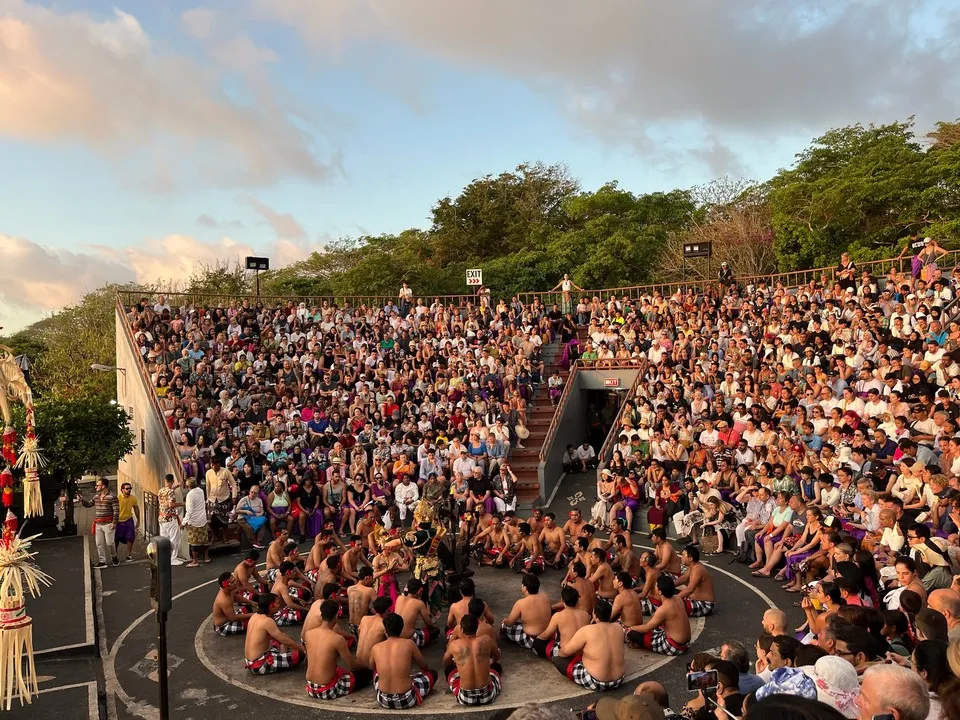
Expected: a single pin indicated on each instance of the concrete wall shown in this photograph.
(570, 431)
(152, 455)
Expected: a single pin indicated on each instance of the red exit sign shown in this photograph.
(611, 382)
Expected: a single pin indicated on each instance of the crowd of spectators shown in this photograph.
(812, 432)
(331, 411)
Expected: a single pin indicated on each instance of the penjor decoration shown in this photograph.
(14, 388)
(18, 576)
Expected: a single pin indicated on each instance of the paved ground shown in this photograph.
(207, 681)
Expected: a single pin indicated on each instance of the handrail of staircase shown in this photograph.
(606, 450)
(151, 392)
(558, 410)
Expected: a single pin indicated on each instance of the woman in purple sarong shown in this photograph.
(795, 548)
(571, 351)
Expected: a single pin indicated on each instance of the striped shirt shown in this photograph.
(106, 507)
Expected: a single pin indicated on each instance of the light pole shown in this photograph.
(161, 598)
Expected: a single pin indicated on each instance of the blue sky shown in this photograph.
(139, 138)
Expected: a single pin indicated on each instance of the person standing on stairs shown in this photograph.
(566, 288)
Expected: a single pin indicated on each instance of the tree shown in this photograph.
(71, 341)
(862, 189)
(79, 435)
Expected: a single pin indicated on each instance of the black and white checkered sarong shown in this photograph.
(515, 634)
(480, 696)
(274, 660)
(343, 684)
(421, 684)
(699, 608)
(232, 627)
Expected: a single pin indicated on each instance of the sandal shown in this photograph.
(192, 564)
(758, 573)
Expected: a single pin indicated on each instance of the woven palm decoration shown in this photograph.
(19, 575)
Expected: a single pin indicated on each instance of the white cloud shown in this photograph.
(631, 70)
(161, 117)
(285, 225)
(200, 23)
(39, 280)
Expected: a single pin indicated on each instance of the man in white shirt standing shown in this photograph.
(195, 520)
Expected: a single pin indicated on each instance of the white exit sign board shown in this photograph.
(475, 277)
(611, 382)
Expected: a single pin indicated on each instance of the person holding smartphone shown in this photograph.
(724, 700)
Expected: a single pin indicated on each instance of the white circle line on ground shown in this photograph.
(113, 683)
(333, 705)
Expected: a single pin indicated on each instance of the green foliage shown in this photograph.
(863, 189)
(79, 435)
(72, 340)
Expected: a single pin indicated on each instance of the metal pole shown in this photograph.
(257, 273)
(683, 272)
(162, 663)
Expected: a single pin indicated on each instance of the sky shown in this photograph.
(139, 139)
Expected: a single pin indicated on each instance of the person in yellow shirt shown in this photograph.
(127, 522)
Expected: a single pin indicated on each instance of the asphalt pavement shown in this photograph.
(204, 681)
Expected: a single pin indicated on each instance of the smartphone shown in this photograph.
(702, 680)
(883, 716)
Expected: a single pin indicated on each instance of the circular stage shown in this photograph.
(526, 677)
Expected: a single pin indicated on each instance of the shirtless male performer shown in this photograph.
(391, 659)
(359, 598)
(650, 573)
(471, 665)
(624, 559)
(530, 614)
(229, 617)
(370, 630)
(248, 577)
(697, 594)
(577, 579)
(668, 631)
(267, 649)
(410, 607)
(602, 577)
(314, 618)
(468, 591)
(326, 679)
(563, 625)
(291, 611)
(594, 657)
(275, 554)
(575, 524)
(626, 606)
(667, 558)
(556, 551)
(529, 557)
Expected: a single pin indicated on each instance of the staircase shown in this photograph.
(526, 461)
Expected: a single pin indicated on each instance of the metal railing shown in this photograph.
(151, 392)
(791, 279)
(151, 514)
(129, 298)
(558, 410)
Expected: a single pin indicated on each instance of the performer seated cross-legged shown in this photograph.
(360, 597)
(697, 594)
(326, 679)
(529, 557)
(563, 625)
(472, 665)
(267, 649)
(314, 618)
(530, 614)
(293, 605)
(594, 657)
(577, 579)
(390, 660)
(626, 606)
(478, 608)
(370, 631)
(556, 548)
(251, 583)
(668, 631)
(229, 616)
(410, 607)
(460, 608)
